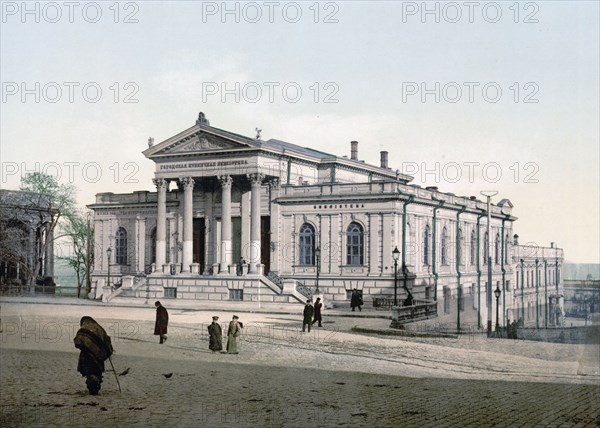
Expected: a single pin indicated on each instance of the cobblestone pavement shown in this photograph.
(230, 394)
(283, 378)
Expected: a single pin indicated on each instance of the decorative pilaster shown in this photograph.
(161, 222)
(188, 224)
(140, 226)
(276, 223)
(255, 182)
(226, 247)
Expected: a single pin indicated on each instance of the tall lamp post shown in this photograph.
(488, 289)
(396, 256)
(497, 293)
(108, 253)
(318, 261)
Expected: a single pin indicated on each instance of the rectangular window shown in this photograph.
(461, 300)
(473, 294)
(171, 292)
(236, 294)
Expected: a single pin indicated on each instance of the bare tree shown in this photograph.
(77, 227)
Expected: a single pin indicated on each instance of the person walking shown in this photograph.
(162, 320)
(96, 347)
(317, 316)
(215, 341)
(235, 329)
(356, 300)
(308, 313)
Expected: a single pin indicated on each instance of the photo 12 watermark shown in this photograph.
(271, 92)
(470, 92)
(69, 92)
(470, 12)
(69, 12)
(73, 171)
(270, 12)
(471, 172)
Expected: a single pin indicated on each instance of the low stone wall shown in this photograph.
(406, 314)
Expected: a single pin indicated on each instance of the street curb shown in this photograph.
(404, 333)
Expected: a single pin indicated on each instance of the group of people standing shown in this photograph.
(215, 341)
(312, 314)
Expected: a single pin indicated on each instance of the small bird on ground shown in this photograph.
(124, 372)
(168, 375)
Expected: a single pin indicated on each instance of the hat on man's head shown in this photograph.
(157, 303)
(235, 317)
(215, 318)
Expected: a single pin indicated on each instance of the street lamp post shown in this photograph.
(108, 253)
(497, 293)
(396, 256)
(318, 261)
(488, 289)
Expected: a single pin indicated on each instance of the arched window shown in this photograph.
(307, 245)
(473, 247)
(486, 247)
(153, 246)
(121, 246)
(443, 248)
(497, 249)
(354, 244)
(426, 246)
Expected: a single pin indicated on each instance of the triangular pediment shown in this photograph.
(200, 143)
(199, 140)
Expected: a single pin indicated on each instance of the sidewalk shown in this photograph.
(199, 305)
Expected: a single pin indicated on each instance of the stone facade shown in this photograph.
(222, 197)
(26, 238)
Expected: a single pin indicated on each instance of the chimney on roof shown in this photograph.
(354, 150)
(384, 159)
(516, 239)
(551, 244)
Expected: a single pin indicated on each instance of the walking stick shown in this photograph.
(116, 377)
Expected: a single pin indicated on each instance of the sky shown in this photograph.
(467, 96)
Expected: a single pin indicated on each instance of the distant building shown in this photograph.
(24, 228)
(296, 219)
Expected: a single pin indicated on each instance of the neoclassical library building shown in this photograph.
(240, 218)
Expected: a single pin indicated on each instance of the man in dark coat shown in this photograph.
(95, 346)
(162, 320)
(307, 314)
(215, 341)
(356, 300)
(318, 306)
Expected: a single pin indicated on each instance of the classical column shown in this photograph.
(255, 180)
(188, 224)
(161, 222)
(209, 250)
(226, 248)
(49, 257)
